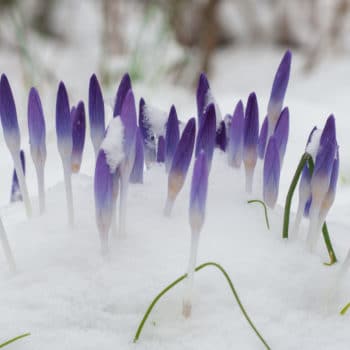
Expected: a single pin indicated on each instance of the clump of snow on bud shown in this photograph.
(156, 118)
(314, 143)
(112, 144)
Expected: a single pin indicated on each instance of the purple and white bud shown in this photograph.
(96, 113)
(202, 93)
(136, 176)
(124, 87)
(16, 195)
(281, 133)
(236, 133)
(172, 136)
(263, 138)
(78, 136)
(161, 149)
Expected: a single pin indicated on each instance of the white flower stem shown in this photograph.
(7, 249)
(249, 173)
(297, 221)
(187, 301)
(22, 183)
(41, 187)
(168, 206)
(69, 193)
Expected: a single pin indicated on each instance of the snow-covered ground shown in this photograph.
(70, 297)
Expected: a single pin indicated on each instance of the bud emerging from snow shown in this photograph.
(202, 93)
(96, 113)
(235, 143)
(124, 87)
(136, 175)
(16, 194)
(78, 136)
(263, 138)
(281, 133)
(161, 149)
(172, 136)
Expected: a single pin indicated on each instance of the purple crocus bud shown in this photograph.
(136, 175)
(103, 187)
(96, 113)
(161, 149)
(63, 123)
(272, 171)
(8, 115)
(124, 87)
(221, 136)
(180, 164)
(207, 134)
(263, 138)
(128, 118)
(16, 194)
(37, 129)
(329, 132)
(199, 189)
(313, 142)
(78, 136)
(250, 139)
(235, 143)
(172, 136)
(281, 133)
(202, 96)
(148, 136)
(278, 91)
(37, 140)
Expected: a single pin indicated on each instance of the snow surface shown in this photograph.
(69, 297)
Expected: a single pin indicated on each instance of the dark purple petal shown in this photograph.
(78, 135)
(329, 131)
(8, 115)
(36, 127)
(251, 132)
(236, 132)
(148, 136)
(221, 140)
(202, 96)
(335, 174)
(63, 122)
(307, 207)
(263, 138)
(136, 175)
(207, 134)
(172, 136)
(278, 90)
(271, 173)
(16, 194)
(124, 87)
(199, 189)
(182, 159)
(96, 113)
(282, 132)
(161, 149)
(104, 201)
(128, 118)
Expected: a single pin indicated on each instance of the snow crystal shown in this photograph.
(156, 118)
(112, 144)
(312, 146)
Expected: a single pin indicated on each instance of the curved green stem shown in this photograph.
(344, 309)
(327, 239)
(14, 339)
(198, 268)
(265, 210)
(306, 157)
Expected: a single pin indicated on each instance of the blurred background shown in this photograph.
(49, 40)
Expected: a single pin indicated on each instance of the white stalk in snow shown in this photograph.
(7, 249)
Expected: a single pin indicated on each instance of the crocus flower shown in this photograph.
(16, 194)
(320, 183)
(103, 187)
(281, 133)
(8, 116)
(278, 91)
(207, 134)
(272, 171)
(65, 144)
(180, 164)
(37, 141)
(172, 136)
(124, 87)
(136, 175)
(161, 149)
(236, 132)
(250, 139)
(128, 118)
(96, 113)
(221, 140)
(199, 188)
(263, 138)
(202, 93)
(78, 136)
(147, 133)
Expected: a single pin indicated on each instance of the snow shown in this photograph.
(314, 143)
(112, 144)
(156, 118)
(70, 297)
